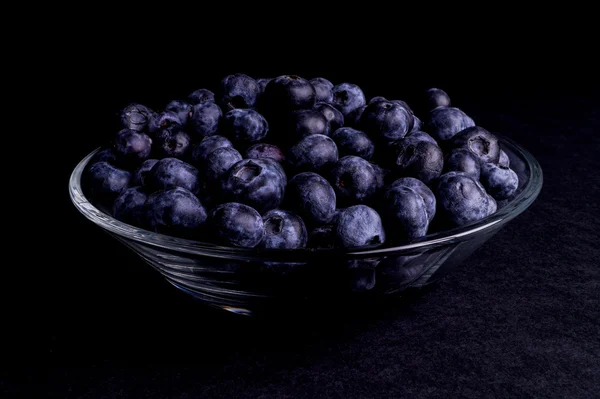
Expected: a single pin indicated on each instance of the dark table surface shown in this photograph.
(519, 318)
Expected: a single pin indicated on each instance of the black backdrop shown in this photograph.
(520, 318)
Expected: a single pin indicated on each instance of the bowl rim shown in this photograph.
(512, 209)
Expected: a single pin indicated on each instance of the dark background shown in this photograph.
(520, 318)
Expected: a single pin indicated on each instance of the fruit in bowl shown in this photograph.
(289, 188)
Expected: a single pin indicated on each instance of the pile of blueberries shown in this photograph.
(292, 163)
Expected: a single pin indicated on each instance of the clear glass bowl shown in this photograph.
(248, 281)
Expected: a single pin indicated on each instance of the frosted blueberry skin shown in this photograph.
(445, 122)
(131, 147)
(323, 89)
(405, 213)
(500, 182)
(236, 224)
(351, 141)
(218, 162)
(311, 196)
(480, 142)
(182, 108)
(386, 121)
(140, 175)
(135, 117)
(262, 83)
(259, 183)
(237, 91)
(170, 173)
(461, 199)
(104, 182)
(358, 226)
(200, 96)
(265, 150)
(503, 159)
(420, 135)
(463, 160)
(347, 97)
(172, 142)
(334, 116)
(312, 154)
(420, 188)
(352, 119)
(129, 206)
(353, 179)
(417, 158)
(202, 149)
(176, 212)
(285, 94)
(162, 120)
(435, 98)
(244, 126)
(283, 230)
(205, 120)
(306, 122)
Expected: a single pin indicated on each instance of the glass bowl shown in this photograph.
(248, 281)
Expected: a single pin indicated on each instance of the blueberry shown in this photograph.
(417, 125)
(219, 161)
(353, 179)
(201, 96)
(405, 213)
(105, 182)
(177, 212)
(503, 160)
(322, 237)
(323, 89)
(265, 150)
(244, 126)
(353, 118)
(170, 173)
(461, 199)
(105, 154)
(396, 273)
(238, 91)
(262, 83)
(358, 226)
(462, 160)
(418, 158)
(386, 121)
(236, 224)
(435, 98)
(353, 142)
(140, 175)
(347, 97)
(287, 93)
(381, 175)
(306, 122)
(481, 143)
(420, 188)
(132, 147)
(420, 135)
(377, 99)
(182, 108)
(173, 142)
(333, 115)
(206, 146)
(492, 205)
(259, 183)
(129, 206)
(283, 230)
(135, 117)
(205, 119)
(312, 197)
(445, 122)
(499, 182)
(312, 153)
(162, 120)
